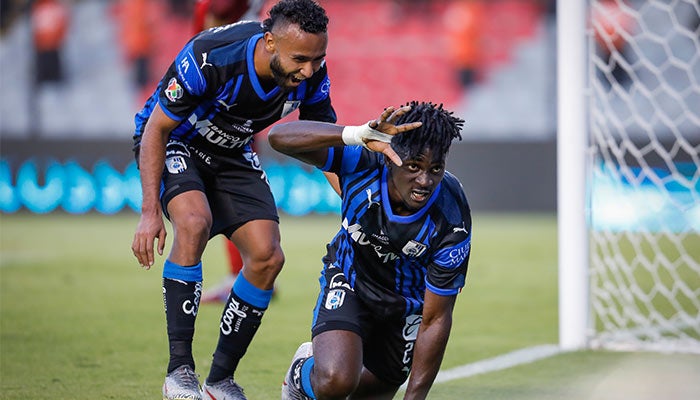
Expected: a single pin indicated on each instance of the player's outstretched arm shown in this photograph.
(309, 141)
(430, 345)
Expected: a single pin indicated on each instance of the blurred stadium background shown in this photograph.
(66, 147)
(82, 126)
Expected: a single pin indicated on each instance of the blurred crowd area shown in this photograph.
(98, 60)
(82, 68)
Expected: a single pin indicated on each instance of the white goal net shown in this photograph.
(643, 181)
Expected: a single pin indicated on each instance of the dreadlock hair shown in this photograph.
(308, 14)
(439, 128)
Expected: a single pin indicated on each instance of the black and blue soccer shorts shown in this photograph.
(236, 187)
(387, 343)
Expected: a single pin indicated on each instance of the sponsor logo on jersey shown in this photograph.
(458, 254)
(335, 299)
(174, 91)
(356, 234)
(215, 135)
(414, 249)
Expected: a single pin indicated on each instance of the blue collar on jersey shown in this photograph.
(400, 218)
(250, 59)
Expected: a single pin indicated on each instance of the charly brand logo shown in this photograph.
(410, 334)
(410, 328)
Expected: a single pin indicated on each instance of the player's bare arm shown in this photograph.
(309, 141)
(430, 345)
(151, 162)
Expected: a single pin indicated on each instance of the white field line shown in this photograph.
(518, 357)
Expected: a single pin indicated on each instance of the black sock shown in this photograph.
(181, 300)
(239, 323)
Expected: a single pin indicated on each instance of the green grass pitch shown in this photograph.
(79, 319)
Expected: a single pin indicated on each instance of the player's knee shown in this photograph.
(193, 227)
(267, 261)
(334, 383)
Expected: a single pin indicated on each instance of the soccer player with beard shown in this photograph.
(393, 271)
(193, 145)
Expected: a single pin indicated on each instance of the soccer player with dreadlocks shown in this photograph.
(392, 273)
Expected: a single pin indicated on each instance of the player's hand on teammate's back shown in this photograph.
(149, 228)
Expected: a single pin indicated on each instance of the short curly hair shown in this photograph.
(308, 14)
(440, 127)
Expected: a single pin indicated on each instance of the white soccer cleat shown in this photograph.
(182, 384)
(227, 389)
(292, 380)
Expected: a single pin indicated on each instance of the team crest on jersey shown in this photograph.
(289, 106)
(414, 249)
(335, 299)
(176, 164)
(174, 90)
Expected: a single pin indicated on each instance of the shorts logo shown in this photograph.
(413, 248)
(174, 90)
(410, 329)
(335, 299)
(176, 164)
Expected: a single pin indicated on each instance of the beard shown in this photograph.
(279, 75)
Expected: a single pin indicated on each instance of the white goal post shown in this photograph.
(628, 179)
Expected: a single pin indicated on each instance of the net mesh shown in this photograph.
(644, 104)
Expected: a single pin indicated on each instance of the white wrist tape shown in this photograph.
(360, 135)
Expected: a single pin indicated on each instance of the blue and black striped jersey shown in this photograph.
(390, 260)
(212, 88)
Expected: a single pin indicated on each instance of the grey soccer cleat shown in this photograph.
(226, 389)
(182, 384)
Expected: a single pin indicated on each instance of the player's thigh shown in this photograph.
(183, 192)
(389, 349)
(338, 324)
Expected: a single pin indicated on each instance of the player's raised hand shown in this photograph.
(386, 124)
(386, 121)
